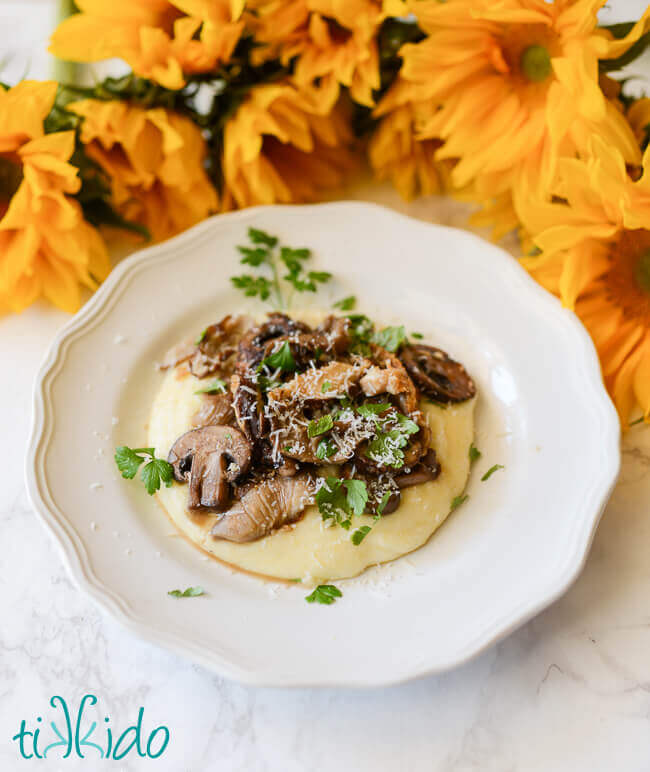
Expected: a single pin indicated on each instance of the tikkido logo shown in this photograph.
(74, 740)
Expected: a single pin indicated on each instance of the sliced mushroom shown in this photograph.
(211, 458)
(253, 345)
(216, 345)
(248, 405)
(181, 352)
(428, 469)
(436, 374)
(390, 377)
(264, 507)
(216, 409)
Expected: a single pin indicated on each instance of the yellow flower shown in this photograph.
(595, 254)
(282, 146)
(332, 39)
(154, 159)
(517, 85)
(46, 247)
(394, 151)
(163, 40)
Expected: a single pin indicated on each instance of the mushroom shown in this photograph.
(272, 503)
(390, 377)
(428, 469)
(211, 458)
(216, 344)
(329, 382)
(253, 345)
(216, 409)
(436, 374)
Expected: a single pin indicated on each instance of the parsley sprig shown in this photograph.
(154, 472)
(190, 592)
(265, 251)
(325, 594)
(338, 500)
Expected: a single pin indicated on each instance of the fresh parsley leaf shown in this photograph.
(154, 473)
(386, 446)
(320, 276)
(325, 387)
(325, 594)
(190, 592)
(201, 337)
(417, 335)
(320, 425)
(252, 286)
(491, 471)
(391, 338)
(357, 497)
(325, 449)
(407, 425)
(360, 331)
(360, 534)
(457, 501)
(371, 409)
(261, 237)
(474, 453)
(267, 384)
(346, 304)
(281, 359)
(218, 386)
(339, 499)
(128, 461)
(254, 256)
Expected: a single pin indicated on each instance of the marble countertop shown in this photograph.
(570, 691)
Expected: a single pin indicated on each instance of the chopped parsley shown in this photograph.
(338, 500)
(474, 453)
(372, 409)
(491, 471)
(457, 501)
(346, 304)
(325, 449)
(383, 502)
(264, 255)
(360, 534)
(320, 425)
(190, 592)
(361, 330)
(216, 387)
(386, 448)
(325, 594)
(201, 337)
(282, 359)
(417, 335)
(154, 472)
(390, 338)
(327, 386)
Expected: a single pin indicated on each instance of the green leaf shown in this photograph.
(201, 337)
(320, 425)
(383, 502)
(325, 594)
(252, 286)
(371, 409)
(128, 461)
(254, 256)
(491, 471)
(360, 534)
(360, 331)
(190, 592)
(325, 387)
(407, 425)
(474, 453)
(391, 338)
(325, 449)
(417, 335)
(346, 304)
(261, 237)
(218, 386)
(457, 501)
(155, 472)
(281, 359)
(320, 276)
(357, 496)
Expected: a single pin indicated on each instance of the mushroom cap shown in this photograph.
(436, 374)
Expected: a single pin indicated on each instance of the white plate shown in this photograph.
(510, 550)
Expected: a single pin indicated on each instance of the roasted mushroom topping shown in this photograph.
(428, 469)
(211, 458)
(264, 507)
(216, 409)
(436, 374)
(215, 346)
(253, 346)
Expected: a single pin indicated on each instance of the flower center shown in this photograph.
(628, 280)
(535, 63)
(11, 175)
(642, 271)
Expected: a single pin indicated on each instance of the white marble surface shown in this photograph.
(568, 692)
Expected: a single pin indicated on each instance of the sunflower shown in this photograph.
(329, 39)
(46, 247)
(595, 254)
(163, 40)
(523, 76)
(284, 145)
(154, 159)
(394, 151)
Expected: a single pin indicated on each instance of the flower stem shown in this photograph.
(65, 72)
